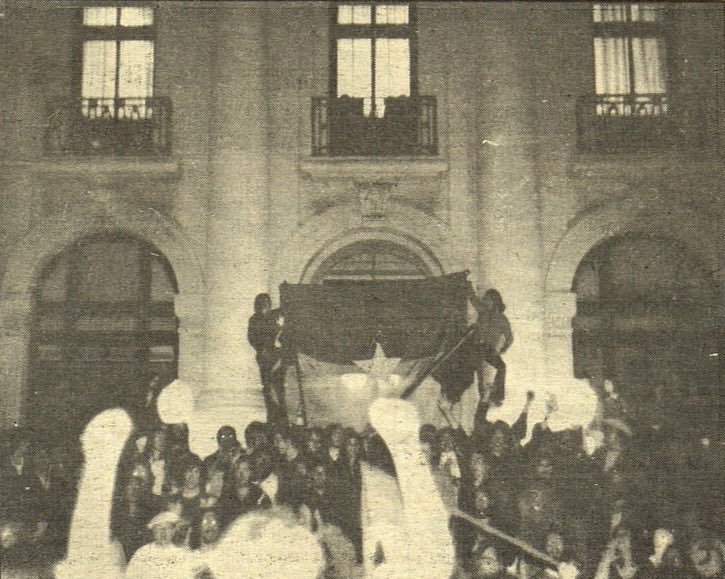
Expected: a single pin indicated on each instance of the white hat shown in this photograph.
(164, 518)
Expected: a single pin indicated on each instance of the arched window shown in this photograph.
(372, 260)
(103, 322)
(647, 320)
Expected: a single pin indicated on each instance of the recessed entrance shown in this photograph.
(103, 321)
(647, 319)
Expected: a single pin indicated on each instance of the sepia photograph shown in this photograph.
(362, 289)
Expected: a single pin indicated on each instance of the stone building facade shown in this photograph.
(516, 171)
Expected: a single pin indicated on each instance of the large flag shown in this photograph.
(349, 337)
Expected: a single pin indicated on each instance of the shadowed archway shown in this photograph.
(647, 319)
(103, 321)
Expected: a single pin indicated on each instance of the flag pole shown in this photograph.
(516, 542)
(302, 405)
(436, 364)
(300, 390)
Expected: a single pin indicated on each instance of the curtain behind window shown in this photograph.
(117, 69)
(392, 67)
(649, 59)
(134, 75)
(629, 60)
(355, 70)
(611, 66)
(354, 67)
(99, 77)
(136, 68)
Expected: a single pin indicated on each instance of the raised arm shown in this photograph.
(476, 301)
(520, 427)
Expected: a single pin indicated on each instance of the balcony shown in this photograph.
(397, 126)
(138, 127)
(624, 123)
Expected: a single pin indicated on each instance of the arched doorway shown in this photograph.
(103, 321)
(647, 319)
(371, 260)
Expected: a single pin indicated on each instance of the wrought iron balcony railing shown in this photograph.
(123, 126)
(393, 126)
(624, 122)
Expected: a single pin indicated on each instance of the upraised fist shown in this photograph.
(662, 540)
(567, 571)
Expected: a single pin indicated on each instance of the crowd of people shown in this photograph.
(622, 499)
(641, 502)
(646, 503)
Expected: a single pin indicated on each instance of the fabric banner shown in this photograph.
(343, 393)
(332, 328)
(339, 322)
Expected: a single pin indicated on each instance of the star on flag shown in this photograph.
(380, 369)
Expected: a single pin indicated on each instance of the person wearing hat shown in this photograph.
(162, 559)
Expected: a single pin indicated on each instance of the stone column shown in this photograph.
(15, 318)
(192, 351)
(510, 240)
(460, 139)
(237, 250)
(720, 279)
(576, 399)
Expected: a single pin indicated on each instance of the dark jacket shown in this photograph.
(262, 333)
